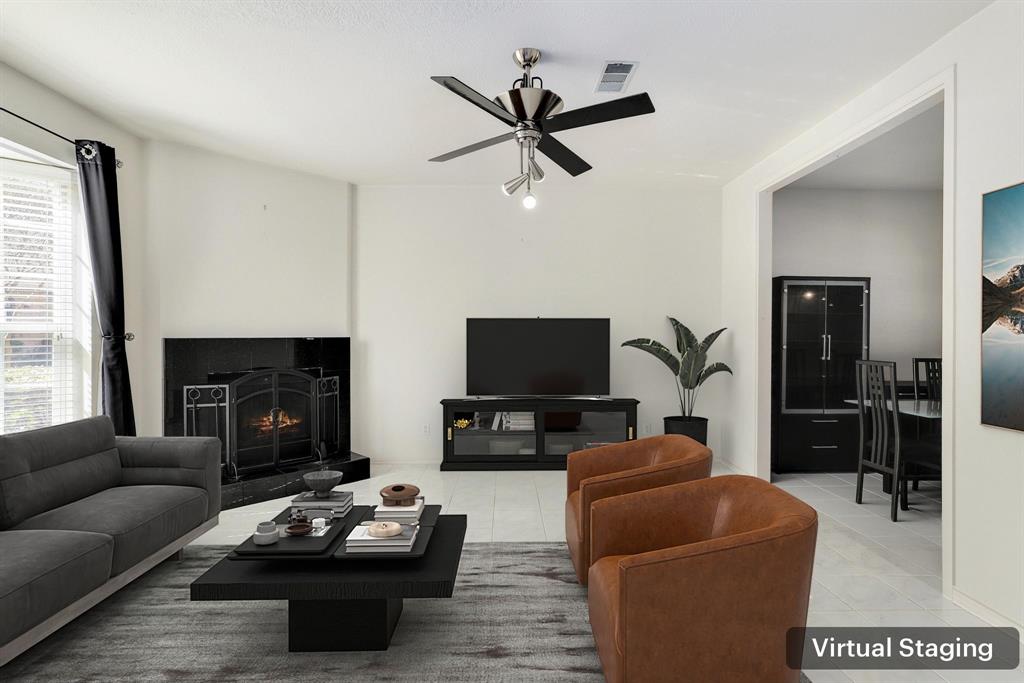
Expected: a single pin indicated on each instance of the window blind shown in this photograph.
(45, 298)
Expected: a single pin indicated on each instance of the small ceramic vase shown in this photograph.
(266, 534)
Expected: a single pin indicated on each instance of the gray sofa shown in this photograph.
(83, 513)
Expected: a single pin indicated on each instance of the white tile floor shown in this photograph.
(867, 570)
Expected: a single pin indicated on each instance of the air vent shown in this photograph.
(616, 76)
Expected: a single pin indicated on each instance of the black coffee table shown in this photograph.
(339, 605)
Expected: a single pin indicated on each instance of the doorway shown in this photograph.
(857, 275)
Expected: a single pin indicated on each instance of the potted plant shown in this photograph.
(689, 371)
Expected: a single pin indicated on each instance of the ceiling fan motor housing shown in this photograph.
(530, 104)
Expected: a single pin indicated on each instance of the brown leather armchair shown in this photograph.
(700, 581)
(619, 468)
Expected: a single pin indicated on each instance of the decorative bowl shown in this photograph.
(399, 495)
(299, 529)
(322, 481)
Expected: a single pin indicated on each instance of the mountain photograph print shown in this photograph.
(1002, 308)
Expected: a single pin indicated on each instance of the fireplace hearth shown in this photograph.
(279, 406)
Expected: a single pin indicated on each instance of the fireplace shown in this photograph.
(279, 406)
(267, 418)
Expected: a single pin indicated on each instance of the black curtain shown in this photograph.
(97, 168)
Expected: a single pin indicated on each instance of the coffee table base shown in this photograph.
(342, 625)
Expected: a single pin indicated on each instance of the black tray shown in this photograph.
(302, 547)
(419, 548)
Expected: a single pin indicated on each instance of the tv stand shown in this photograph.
(537, 433)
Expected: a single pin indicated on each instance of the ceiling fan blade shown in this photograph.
(622, 108)
(562, 155)
(465, 92)
(475, 146)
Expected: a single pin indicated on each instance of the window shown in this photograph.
(46, 304)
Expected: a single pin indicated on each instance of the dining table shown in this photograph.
(923, 408)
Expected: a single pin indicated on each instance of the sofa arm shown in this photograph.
(634, 480)
(653, 519)
(174, 461)
(640, 479)
(592, 462)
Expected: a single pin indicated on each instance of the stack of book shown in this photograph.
(403, 514)
(512, 422)
(519, 422)
(360, 541)
(339, 503)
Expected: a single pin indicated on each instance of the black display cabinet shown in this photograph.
(820, 328)
(530, 433)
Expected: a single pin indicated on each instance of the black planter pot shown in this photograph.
(694, 427)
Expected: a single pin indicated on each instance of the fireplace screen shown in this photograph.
(267, 418)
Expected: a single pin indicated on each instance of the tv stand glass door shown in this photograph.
(498, 435)
(568, 431)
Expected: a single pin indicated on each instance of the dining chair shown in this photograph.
(927, 386)
(883, 448)
(930, 371)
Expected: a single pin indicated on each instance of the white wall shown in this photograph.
(983, 488)
(892, 236)
(242, 249)
(37, 102)
(426, 258)
(212, 245)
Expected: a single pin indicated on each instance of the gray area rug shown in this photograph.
(517, 615)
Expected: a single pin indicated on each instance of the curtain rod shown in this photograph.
(91, 151)
(41, 127)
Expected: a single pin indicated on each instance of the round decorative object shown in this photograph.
(399, 495)
(462, 423)
(265, 539)
(266, 534)
(322, 481)
(300, 529)
(384, 529)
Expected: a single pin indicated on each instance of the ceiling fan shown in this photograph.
(534, 113)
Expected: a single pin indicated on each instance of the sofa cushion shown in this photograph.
(141, 519)
(42, 572)
(46, 468)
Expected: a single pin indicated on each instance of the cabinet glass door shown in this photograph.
(803, 341)
(495, 435)
(568, 431)
(844, 341)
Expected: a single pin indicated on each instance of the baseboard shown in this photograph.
(730, 464)
(982, 612)
(42, 630)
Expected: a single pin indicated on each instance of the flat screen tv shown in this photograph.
(537, 356)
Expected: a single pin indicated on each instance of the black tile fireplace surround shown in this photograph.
(280, 407)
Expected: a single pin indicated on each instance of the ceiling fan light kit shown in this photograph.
(535, 113)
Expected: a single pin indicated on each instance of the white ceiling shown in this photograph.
(909, 157)
(342, 88)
